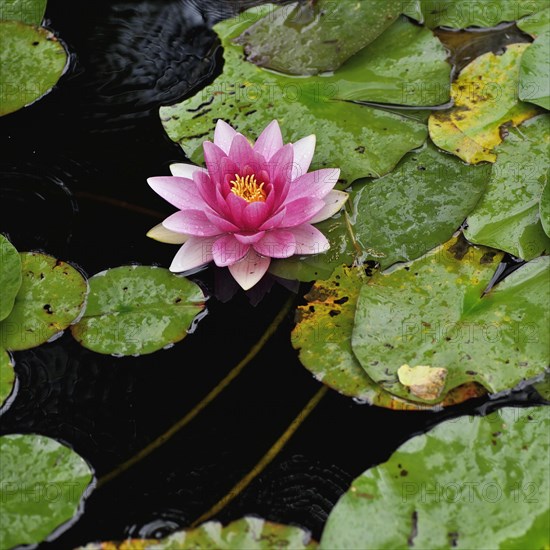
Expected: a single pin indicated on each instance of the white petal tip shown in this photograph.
(161, 234)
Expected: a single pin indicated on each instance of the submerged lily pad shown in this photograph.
(249, 533)
(460, 14)
(485, 98)
(314, 37)
(31, 61)
(507, 216)
(51, 297)
(361, 140)
(41, 485)
(433, 312)
(10, 276)
(134, 310)
(398, 217)
(26, 11)
(423, 497)
(7, 376)
(534, 75)
(323, 338)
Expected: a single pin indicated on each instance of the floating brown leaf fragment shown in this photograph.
(485, 100)
(423, 381)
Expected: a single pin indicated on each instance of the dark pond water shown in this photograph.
(73, 184)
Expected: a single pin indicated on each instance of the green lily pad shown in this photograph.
(323, 338)
(468, 483)
(7, 376)
(249, 533)
(313, 38)
(398, 217)
(543, 387)
(10, 276)
(507, 217)
(534, 74)
(485, 98)
(460, 14)
(359, 139)
(134, 310)
(26, 11)
(545, 209)
(432, 322)
(51, 297)
(32, 60)
(41, 485)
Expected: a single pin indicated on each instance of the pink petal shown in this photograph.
(180, 192)
(223, 135)
(236, 207)
(213, 156)
(194, 253)
(333, 203)
(248, 271)
(301, 211)
(249, 238)
(243, 156)
(191, 222)
(280, 167)
(254, 215)
(269, 141)
(182, 170)
(273, 221)
(303, 154)
(309, 240)
(163, 235)
(314, 184)
(277, 244)
(222, 223)
(206, 188)
(227, 250)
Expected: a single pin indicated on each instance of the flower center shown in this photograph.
(248, 188)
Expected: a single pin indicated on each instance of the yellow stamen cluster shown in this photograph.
(248, 188)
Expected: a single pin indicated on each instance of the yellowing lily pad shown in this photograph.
(51, 297)
(434, 312)
(41, 485)
(471, 482)
(31, 61)
(485, 99)
(10, 276)
(249, 533)
(508, 216)
(134, 310)
(322, 337)
(422, 380)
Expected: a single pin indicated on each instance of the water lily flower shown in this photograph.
(250, 204)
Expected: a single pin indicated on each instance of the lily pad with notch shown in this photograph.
(51, 297)
(424, 497)
(10, 276)
(434, 313)
(134, 310)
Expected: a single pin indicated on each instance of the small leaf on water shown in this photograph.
(10, 276)
(134, 310)
(41, 485)
(26, 11)
(51, 297)
(485, 98)
(32, 60)
(423, 381)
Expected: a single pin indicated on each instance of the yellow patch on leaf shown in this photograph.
(423, 381)
(485, 99)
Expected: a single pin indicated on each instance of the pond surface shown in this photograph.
(73, 184)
